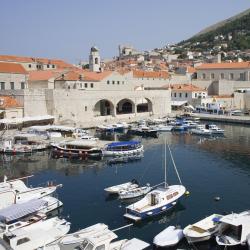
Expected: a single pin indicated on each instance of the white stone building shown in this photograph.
(12, 76)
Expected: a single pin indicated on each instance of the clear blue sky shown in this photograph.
(68, 28)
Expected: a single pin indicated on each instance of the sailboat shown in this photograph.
(157, 201)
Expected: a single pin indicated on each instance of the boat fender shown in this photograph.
(163, 208)
(187, 193)
(149, 213)
(217, 198)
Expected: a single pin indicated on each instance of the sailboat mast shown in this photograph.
(165, 163)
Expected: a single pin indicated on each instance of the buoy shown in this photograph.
(217, 198)
(187, 193)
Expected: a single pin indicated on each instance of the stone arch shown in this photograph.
(144, 105)
(125, 106)
(103, 107)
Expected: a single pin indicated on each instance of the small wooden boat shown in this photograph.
(134, 192)
(169, 237)
(125, 186)
(202, 230)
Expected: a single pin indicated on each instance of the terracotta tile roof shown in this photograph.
(44, 75)
(232, 65)
(222, 96)
(8, 102)
(94, 76)
(187, 87)
(12, 68)
(24, 59)
(69, 76)
(150, 74)
(191, 70)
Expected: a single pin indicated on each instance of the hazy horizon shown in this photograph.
(67, 29)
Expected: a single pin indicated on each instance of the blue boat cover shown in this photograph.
(123, 143)
(16, 211)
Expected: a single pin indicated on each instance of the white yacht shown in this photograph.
(214, 129)
(201, 130)
(202, 230)
(234, 229)
(35, 236)
(96, 237)
(15, 191)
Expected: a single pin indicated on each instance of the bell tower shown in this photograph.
(94, 60)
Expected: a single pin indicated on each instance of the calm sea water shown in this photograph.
(208, 168)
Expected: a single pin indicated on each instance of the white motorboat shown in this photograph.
(202, 230)
(157, 201)
(89, 138)
(234, 229)
(134, 192)
(123, 148)
(214, 129)
(15, 191)
(36, 235)
(163, 128)
(96, 237)
(23, 214)
(124, 186)
(201, 130)
(169, 237)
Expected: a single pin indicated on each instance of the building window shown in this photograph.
(108, 82)
(180, 94)
(212, 76)
(231, 76)
(242, 77)
(113, 82)
(118, 82)
(174, 94)
(29, 65)
(2, 85)
(92, 85)
(222, 76)
(195, 95)
(122, 82)
(22, 85)
(86, 108)
(12, 85)
(186, 95)
(96, 60)
(47, 65)
(53, 66)
(171, 95)
(203, 76)
(86, 85)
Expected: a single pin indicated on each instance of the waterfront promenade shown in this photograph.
(245, 120)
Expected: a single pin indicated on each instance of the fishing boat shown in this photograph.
(134, 192)
(214, 129)
(125, 186)
(169, 237)
(202, 230)
(96, 237)
(36, 235)
(77, 149)
(158, 200)
(123, 148)
(201, 130)
(234, 229)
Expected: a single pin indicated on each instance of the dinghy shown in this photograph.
(125, 186)
(202, 230)
(170, 236)
(134, 192)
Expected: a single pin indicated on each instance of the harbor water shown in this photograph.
(209, 167)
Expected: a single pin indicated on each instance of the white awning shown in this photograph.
(17, 211)
(178, 103)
